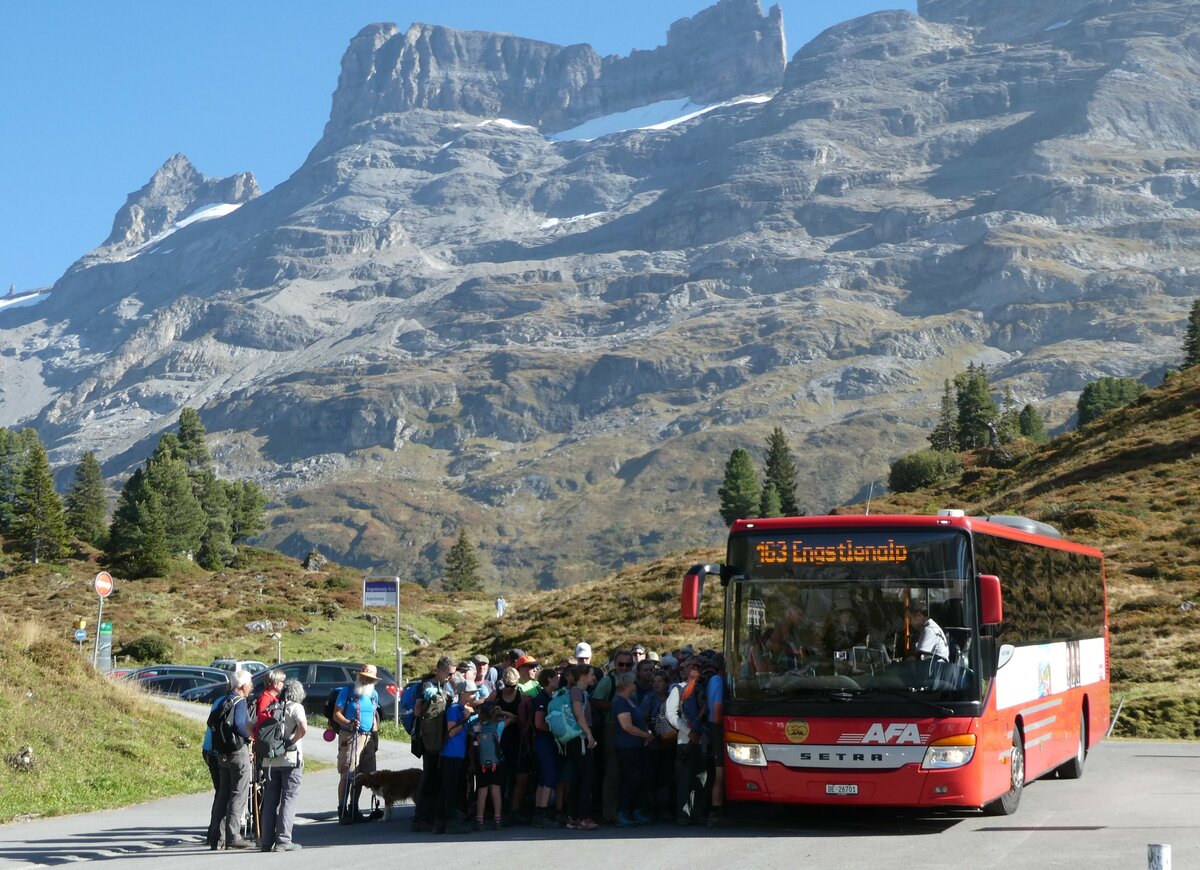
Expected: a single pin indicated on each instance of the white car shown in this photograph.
(239, 665)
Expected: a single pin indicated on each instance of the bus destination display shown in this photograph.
(795, 551)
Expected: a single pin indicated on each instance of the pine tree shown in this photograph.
(1104, 395)
(769, 505)
(247, 506)
(1009, 426)
(8, 479)
(1191, 340)
(87, 507)
(976, 410)
(137, 540)
(183, 516)
(216, 547)
(1032, 425)
(192, 447)
(462, 567)
(39, 524)
(739, 493)
(945, 434)
(781, 471)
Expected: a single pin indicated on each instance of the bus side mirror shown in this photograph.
(693, 589)
(990, 604)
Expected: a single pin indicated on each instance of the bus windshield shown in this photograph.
(861, 613)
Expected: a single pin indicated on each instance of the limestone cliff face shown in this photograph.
(441, 319)
(726, 50)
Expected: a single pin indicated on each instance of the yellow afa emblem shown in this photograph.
(796, 730)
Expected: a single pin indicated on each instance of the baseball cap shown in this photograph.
(669, 661)
(525, 660)
(583, 650)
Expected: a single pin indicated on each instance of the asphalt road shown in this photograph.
(1132, 794)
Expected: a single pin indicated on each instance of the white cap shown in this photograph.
(583, 650)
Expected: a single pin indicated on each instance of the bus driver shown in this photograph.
(931, 640)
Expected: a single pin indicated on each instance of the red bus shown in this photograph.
(940, 662)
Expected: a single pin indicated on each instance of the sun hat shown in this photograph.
(370, 672)
(583, 650)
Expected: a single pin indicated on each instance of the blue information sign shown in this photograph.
(80, 635)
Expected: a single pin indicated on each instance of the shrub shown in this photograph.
(921, 469)
(148, 648)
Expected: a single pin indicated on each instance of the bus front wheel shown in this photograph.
(1007, 803)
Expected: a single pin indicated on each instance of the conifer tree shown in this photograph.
(975, 408)
(87, 507)
(247, 505)
(137, 540)
(1104, 395)
(781, 471)
(740, 494)
(193, 449)
(8, 479)
(1032, 425)
(183, 516)
(216, 547)
(945, 434)
(769, 505)
(1009, 426)
(462, 567)
(1191, 340)
(39, 524)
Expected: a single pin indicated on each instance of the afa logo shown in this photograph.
(897, 734)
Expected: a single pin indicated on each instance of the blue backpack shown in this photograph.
(560, 718)
(408, 706)
(694, 709)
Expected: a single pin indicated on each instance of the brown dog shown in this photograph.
(391, 786)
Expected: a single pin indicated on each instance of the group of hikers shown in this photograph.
(514, 743)
(573, 745)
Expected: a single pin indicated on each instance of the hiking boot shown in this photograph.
(716, 818)
(572, 824)
(478, 826)
(240, 844)
(497, 824)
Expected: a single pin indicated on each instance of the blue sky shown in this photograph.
(96, 95)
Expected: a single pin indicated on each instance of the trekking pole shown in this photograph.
(351, 772)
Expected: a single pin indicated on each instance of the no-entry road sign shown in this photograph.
(103, 584)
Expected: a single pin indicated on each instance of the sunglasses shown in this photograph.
(624, 664)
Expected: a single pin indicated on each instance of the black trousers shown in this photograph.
(453, 789)
(429, 790)
(690, 779)
(581, 773)
(630, 762)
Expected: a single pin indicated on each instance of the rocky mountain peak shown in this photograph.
(1027, 20)
(174, 191)
(728, 49)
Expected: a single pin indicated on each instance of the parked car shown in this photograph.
(176, 684)
(231, 665)
(318, 679)
(150, 671)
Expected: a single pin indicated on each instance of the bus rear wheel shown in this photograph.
(1007, 803)
(1073, 769)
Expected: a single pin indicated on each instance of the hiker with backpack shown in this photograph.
(545, 751)
(488, 761)
(715, 698)
(429, 733)
(356, 716)
(230, 723)
(449, 818)
(281, 755)
(516, 744)
(571, 722)
(686, 711)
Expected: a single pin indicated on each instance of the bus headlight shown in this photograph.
(949, 752)
(744, 750)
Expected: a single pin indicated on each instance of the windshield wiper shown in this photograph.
(907, 694)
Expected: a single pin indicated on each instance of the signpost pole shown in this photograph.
(99, 622)
(103, 584)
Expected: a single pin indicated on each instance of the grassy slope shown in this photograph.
(1128, 484)
(95, 744)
